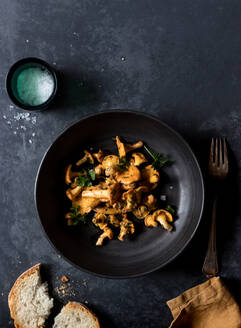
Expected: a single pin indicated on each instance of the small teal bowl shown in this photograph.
(18, 78)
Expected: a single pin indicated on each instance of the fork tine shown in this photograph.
(220, 151)
(211, 155)
(216, 151)
(225, 152)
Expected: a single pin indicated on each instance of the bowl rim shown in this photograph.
(202, 194)
(9, 76)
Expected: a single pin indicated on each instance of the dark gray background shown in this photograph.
(178, 60)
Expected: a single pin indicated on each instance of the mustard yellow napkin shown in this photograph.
(209, 305)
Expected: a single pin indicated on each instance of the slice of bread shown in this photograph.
(29, 301)
(76, 315)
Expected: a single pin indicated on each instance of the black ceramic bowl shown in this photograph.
(11, 82)
(150, 249)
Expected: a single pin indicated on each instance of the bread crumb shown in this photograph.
(65, 290)
(64, 279)
(86, 302)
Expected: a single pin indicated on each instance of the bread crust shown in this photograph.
(12, 297)
(13, 294)
(82, 307)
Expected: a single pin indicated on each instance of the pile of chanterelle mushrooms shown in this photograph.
(117, 189)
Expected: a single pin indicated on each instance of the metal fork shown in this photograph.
(217, 170)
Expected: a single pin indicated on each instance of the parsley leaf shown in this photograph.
(85, 180)
(76, 217)
(123, 164)
(81, 181)
(158, 159)
(92, 174)
(170, 209)
(79, 219)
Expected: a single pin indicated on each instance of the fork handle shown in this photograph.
(210, 266)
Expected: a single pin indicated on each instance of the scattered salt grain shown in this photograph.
(23, 127)
(27, 41)
(8, 122)
(84, 283)
(27, 117)
(14, 132)
(163, 197)
(123, 58)
(171, 187)
(5, 117)
(30, 141)
(33, 134)
(21, 116)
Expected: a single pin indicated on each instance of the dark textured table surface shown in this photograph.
(177, 60)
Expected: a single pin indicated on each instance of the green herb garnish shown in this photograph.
(170, 209)
(159, 160)
(76, 217)
(92, 174)
(85, 180)
(123, 164)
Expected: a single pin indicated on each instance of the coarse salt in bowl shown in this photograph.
(31, 84)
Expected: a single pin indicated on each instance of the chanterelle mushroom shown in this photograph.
(150, 174)
(128, 186)
(74, 192)
(107, 210)
(162, 216)
(110, 164)
(132, 174)
(87, 157)
(100, 220)
(123, 149)
(126, 227)
(99, 156)
(138, 158)
(141, 212)
(114, 221)
(139, 191)
(150, 202)
(129, 197)
(108, 233)
(104, 192)
(150, 221)
(99, 170)
(69, 174)
(86, 204)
